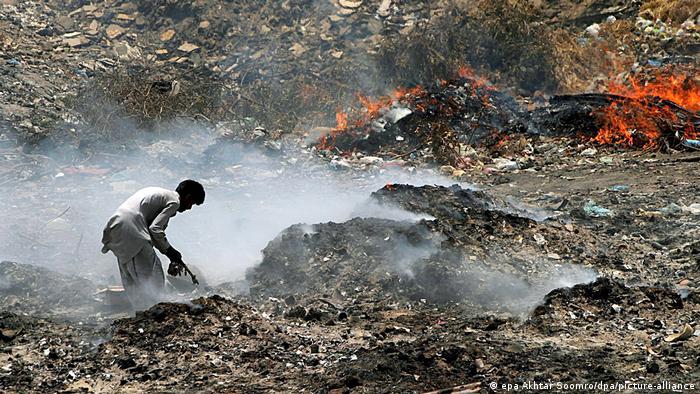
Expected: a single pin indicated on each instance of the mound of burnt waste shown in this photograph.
(476, 250)
(465, 110)
(41, 292)
(606, 299)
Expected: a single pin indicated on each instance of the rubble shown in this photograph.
(42, 292)
(569, 129)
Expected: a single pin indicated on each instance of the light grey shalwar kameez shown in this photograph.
(136, 227)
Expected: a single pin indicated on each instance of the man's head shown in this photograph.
(191, 192)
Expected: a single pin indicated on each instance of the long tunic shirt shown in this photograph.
(141, 220)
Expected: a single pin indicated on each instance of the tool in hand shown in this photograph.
(176, 268)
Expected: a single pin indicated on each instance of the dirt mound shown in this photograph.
(456, 257)
(40, 292)
(606, 298)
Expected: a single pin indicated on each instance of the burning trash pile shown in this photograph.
(439, 119)
(657, 110)
(653, 109)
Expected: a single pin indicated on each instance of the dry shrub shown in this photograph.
(444, 143)
(515, 43)
(580, 61)
(502, 37)
(136, 97)
(674, 11)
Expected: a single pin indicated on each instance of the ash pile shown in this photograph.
(429, 245)
(38, 291)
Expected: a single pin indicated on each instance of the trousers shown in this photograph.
(143, 278)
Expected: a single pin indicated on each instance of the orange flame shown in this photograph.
(341, 120)
(373, 107)
(639, 122)
(327, 141)
(681, 89)
(416, 97)
(466, 72)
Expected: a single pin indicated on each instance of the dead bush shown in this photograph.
(116, 104)
(581, 61)
(500, 36)
(674, 11)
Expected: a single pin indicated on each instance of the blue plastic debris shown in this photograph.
(619, 188)
(654, 63)
(596, 211)
(695, 144)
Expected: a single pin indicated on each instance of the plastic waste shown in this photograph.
(596, 211)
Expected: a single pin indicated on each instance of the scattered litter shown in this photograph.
(595, 211)
(684, 333)
(619, 188)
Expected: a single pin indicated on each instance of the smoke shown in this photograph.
(54, 218)
(512, 293)
(407, 253)
(496, 284)
(370, 208)
(4, 283)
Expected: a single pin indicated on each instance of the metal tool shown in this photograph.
(177, 271)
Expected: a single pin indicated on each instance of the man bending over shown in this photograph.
(137, 227)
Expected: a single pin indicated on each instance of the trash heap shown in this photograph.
(437, 261)
(39, 291)
(368, 346)
(440, 119)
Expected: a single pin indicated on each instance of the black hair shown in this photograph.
(192, 188)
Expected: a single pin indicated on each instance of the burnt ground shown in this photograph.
(439, 317)
(541, 256)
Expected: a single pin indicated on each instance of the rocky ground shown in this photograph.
(463, 235)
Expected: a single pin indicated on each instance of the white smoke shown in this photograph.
(56, 219)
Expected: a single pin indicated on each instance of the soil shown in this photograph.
(528, 257)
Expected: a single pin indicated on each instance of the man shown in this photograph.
(139, 225)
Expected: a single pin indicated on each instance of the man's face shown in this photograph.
(186, 203)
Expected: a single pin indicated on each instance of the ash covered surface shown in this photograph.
(373, 304)
(39, 291)
(477, 250)
(382, 346)
(575, 261)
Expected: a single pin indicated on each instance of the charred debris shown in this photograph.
(560, 246)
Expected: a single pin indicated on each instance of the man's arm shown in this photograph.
(160, 223)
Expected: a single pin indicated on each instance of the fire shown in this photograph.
(466, 72)
(642, 118)
(327, 141)
(341, 120)
(416, 98)
(681, 89)
(373, 107)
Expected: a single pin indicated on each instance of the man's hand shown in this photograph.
(173, 254)
(176, 268)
